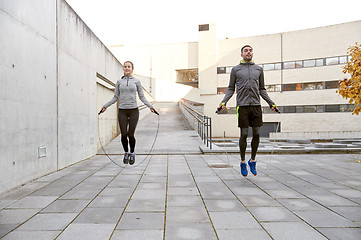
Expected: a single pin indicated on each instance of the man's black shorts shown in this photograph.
(249, 116)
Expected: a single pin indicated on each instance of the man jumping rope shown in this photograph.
(248, 78)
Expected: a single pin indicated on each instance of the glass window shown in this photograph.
(221, 90)
(319, 62)
(310, 86)
(348, 58)
(221, 70)
(309, 63)
(332, 84)
(289, 87)
(278, 66)
(310, 108)
(332, 108)
(228, 69)
(342, 59)
(299, 109)
(268, 67)
(267, 110)
(332, 61)
(299, 64)
(188, 77)
(288, 65)
(319, 108)
(289, 109)
(344, 108)
(299, 87)
(273, 88)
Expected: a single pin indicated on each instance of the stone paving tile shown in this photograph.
(292, 230)
(184, 201)
(341, 233)
(224, 205)
(33, 202)
(6, 228)
(233, 220)
(68, 206)
(273, 214)
(109, 201)
(99, 215)
(81, 231)
(351, 213)
(186, 214)
(80, 194)
(259, 201)
(142, 221)
(137, 234)
(31, 235)
(16, 216)
(325, 219)
(243, 234)
(189, 230)
(300, 204)
(5, 203)
(189, 191)
(146, 205)
(48, 222)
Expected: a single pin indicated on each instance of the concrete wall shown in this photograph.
(49, 63)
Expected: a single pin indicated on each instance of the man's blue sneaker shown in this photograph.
(252, 167)
(244, 170)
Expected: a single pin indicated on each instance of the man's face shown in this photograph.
(247, 54)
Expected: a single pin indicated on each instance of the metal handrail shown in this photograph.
(204, 123)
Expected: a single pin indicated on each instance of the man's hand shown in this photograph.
(275, 109)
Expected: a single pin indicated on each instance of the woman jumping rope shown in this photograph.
(125, 90)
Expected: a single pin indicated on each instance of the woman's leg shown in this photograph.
(133, 121)
(123, 125)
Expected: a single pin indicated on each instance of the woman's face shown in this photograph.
(128, 69)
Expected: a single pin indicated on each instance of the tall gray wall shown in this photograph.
(48, 95)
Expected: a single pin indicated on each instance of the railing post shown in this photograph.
(206, 122)
(210, 133)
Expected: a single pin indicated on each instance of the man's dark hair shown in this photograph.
(245, 47)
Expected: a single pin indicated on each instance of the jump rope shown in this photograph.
(219, 109)
(123, 166)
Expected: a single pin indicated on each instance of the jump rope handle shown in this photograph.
(218, 109)
(276, 109)
(155, 112)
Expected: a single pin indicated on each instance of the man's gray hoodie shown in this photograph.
(248, 79)
(126, 91)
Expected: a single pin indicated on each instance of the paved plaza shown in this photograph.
(176, 192)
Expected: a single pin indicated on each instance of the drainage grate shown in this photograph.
(220, 166)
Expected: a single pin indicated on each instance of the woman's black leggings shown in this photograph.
(128, 120)
(254, 143)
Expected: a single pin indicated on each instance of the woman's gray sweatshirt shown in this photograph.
(126, 91)
(248, 80)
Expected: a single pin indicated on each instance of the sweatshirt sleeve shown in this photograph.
(141, 94)
(116, 96)
(263, 91)
(231, 87)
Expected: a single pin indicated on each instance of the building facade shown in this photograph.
(302, 70)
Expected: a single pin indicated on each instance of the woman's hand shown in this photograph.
(152, 109)
(103, 110)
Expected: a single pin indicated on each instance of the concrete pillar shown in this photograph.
(207, 59)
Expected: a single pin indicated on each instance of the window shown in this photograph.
(310, 109)
(203, 27)
(268, 67)
(288, 65)
(319, 62)
(342, 59)
(299, 64)
(331, 84)
(289, 109)
(221, 70)
(267, 110)
(278, 66)
(320, 108)
(309, 63)
(188, 77)
(299, 109)
(332, 61)
(332, 108)
(273, 88)
(221, 90)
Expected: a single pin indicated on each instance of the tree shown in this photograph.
(351, 88)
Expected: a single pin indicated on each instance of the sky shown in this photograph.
(136, 22)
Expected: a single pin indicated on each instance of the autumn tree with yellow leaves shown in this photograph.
(351, 88)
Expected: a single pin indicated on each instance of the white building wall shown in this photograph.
(49, 60)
